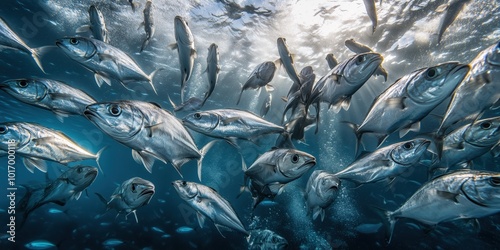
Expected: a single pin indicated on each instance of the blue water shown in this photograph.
(246, 33)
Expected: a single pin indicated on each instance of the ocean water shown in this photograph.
(246, 33)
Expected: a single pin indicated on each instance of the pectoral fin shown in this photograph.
(447, 195)
(152, 128)
(397, 102)
(147, 160)
(77, 195)
(32, 163)
(201, 219)
(413, 127)
(100, 80)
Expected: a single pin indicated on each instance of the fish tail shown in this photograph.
(203, 152)
(35, 53)
(388, 220)
(239, 98)
(98, 159)
(355, 128)
(151, 76)
(171, 102)
(144, 44)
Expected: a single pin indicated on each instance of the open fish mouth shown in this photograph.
(92, 172)
(147, 192)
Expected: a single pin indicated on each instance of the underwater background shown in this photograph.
(246, 33)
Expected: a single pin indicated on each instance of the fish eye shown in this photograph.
(134, 186)
(486, 125)
(73, 41)
(22, 83)
(408, 145)
(495, 181)
(360, 59)
(183, 183)
(197, 116)
(3, 129)
(79, 170)
(295, 158)
(115, 110)
(432, 72)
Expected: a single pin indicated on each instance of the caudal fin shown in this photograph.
(388, 220)
(151, 76)
(203, 152)
(98, 158)
(36, 53)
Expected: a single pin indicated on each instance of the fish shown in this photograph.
(158, 230)
(97, 25)
(40, 245)
(339, 84)
(36, 144)
(105, 61)
(148, 23)
(359, 48)
(368, 228)
(302, 95)
(371, 11)
(287, 60)
(266, 239)
(299, 121)
(451, 11)
(321, 190)
(9, 39)
(112, 242)
(468, 142)
(477, 93)
(130, 196)
(407, 101)
(266, 105)
(230, 124)
(208, 203)
(184, 229)
(52, 95)
(458, 195)
(150, 131)
(261, 76)
(68, 186)
(185, 48)
(332, 62)
(213, 69)
(386, 163)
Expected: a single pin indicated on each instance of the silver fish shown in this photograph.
(332, 62)
(261, 76)
(185, 47)
(208, 203)
(459, 195)
(401, 106)
(266, 240)
(266, 105)
(480, 90)
(151, 132)
(53, 95)
(287, 60)
(97, 25)
(129, 196)
(213, 69)
(11, 40)
(359, 48)
(451, 11)
(321, 190)
(297, 101)
(230, 124)
(148, 23)
(464, 144)
(105, 61)
(69, 185)
(385, 163)
(371, 11)
(36, 144)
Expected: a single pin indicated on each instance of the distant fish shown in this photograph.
(11, 40)
(208, 203)
(158, 230)
(287, 60)
(368, 228)
(40, 245)
(266, 105)
(321, 190)
(332, 62)
(112, 242)
(371, 10)
(97, 25)
(105, 61)
(213, 69)
(185, 47)
(148, 23)
(55, 96)
(451, 11)
(359, 48)
(36, 144)
(184, 230)
(55, 211)
(266, 239)
(129, 196)
(165, 236)
(261, 76)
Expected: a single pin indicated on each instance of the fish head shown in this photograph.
(361, 67)
(137, 192)
(26, 90)
(327, 185)
(77, 48)
(186, 190)
(13, 134)
(95, 14)
(213, 49)
(306, 72)
(121, 120)
(434, 84)
(277, 242)
(201, 121)
(493, 55)
(485, 132)
(483, 189)
(80, 176)
(182, 32)
(294, 163)
(409, 152)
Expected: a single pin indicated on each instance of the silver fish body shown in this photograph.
(36, 144)
(459, 195)
(97, 24)
(287, 61)
(451, 11)
(151, 132)
(105, 61)
(208, 203)
(478, 92)
(266, 105)
(11, 40)
(266, 239)
(186, 50)
(321, 190)
(149, 25)
(213, 69)
(332, 62)
(53, 95)
(261, 76)
(371, 11)
(385, 163)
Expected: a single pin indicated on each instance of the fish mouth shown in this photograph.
(92, 172)
(371, 60)
(147, 192)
